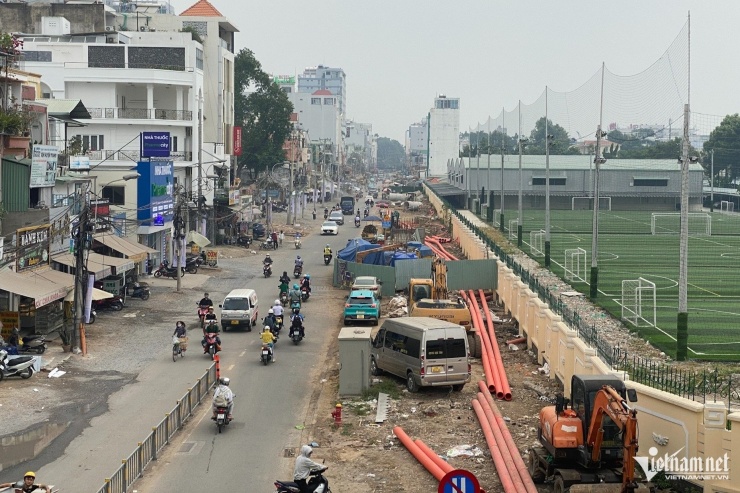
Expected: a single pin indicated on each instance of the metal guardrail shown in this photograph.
(133, 467)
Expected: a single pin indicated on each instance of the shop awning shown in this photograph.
(100, 265)
(136, 252)
(44, 286)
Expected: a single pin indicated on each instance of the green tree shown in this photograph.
(560, 144)
(724, 140)
(390, 153)
(264, 114)
(488, 143)
(653, 150)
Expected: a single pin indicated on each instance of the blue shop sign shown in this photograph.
(155, 144)
(155, 201)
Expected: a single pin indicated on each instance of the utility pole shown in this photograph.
(200, 227)
(82, 239)
(503, 149)
(178, 241)
(711, 178)
(291, 199)
(520, 217)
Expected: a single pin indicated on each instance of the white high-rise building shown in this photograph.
(444, 134)
(331, 79)
(416, 145)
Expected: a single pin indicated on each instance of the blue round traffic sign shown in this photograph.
(459, 481)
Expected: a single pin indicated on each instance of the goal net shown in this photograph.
(669, 223)
(513, 229)
(727, 206)
(575, 265)
(497, 218)
(537, 242)
(586, 203)
(639, 302)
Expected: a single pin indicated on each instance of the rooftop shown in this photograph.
(202, 8)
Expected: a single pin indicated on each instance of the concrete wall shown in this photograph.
(671, 424)
(26, 18)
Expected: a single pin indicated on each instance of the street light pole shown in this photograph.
(200, 162)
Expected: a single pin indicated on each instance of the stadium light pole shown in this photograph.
(547, 188)
(682, 322)
(522, 143)
(503, 148)
(598, 161)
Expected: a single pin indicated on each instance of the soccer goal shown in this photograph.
(586, 203)
(575, 265)
(513, 229)
(727, 206)
(669, 223)
(639, 305)
(537, 242)
(497, 218)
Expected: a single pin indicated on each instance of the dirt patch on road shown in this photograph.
(365, 457)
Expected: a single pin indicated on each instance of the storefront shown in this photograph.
(110, 245)
(110, 270)
(34, 298)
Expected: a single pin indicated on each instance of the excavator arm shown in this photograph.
(439, 276)
(608, 402)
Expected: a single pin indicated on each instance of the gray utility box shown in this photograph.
(354, 360)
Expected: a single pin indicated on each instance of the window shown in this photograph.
(329, 101)
(115, 195)
(446, 348)
(91, 142)
(361, 301)
(650, 182)
(199, 58)
(553, 181)
(315, 100)
(236, 304)
(173, 143)
(402, 344)
(447, 104)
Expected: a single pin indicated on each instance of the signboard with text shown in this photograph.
(100, 210)
(155, 188)
(283, 79)
(44, 166)
(155, 144)
(8, 321)
(237, 141)
(32, 247)
(79, 163)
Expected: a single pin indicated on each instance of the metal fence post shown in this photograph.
(167, 428)
(107, 485)
(140, 451)
(124, 475)
(154, 443)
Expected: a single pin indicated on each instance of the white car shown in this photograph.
(337, 217)
(329, 228)
(367, 282)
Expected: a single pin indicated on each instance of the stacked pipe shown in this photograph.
(486, 353)
(424, 459)
(504, 390)
(509, 464)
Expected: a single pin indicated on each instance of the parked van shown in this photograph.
(240, 308)
(425, 351)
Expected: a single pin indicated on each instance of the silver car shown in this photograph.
(370, 283)
(337, 217)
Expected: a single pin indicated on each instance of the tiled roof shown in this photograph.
(323, 92)
(202, 8)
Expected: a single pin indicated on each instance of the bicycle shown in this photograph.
(179, 346)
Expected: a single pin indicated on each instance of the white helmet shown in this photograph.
(266, 329)
(277, 303)
(270, 311)
(225, 381)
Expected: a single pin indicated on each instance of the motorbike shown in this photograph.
(211, 346)
(296, 307)
(191, 265)
(267, 244)
(167, 271)
(33, 344)
(244, 241)
(317, 483)
(357, 222)
(93, 316)
(284, 298)
(136, 290)
(327, 259)
(114, 303)
(297, 271)
(296, 337)
(305, 294)
(297, 243)
(265, 354)
(267, 270)
(202, 311)
(222, 417)
(326, 215)
(21, 366)
(367, 213)
(278, 324)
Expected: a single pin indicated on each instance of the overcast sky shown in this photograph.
(399, 54)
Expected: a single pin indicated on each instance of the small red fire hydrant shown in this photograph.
(337, 414)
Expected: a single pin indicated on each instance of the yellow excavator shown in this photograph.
(431, 298)
(591, 446)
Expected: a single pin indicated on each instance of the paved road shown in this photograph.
(271, 400)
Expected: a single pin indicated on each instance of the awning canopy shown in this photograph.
(445, 189)
(66, 110)
(97, 295)
(136, 252)
(44, 286)
(100, 265)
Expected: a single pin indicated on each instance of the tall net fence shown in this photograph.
(639, 188)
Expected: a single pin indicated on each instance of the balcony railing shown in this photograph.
(141, 113)
(134, 156)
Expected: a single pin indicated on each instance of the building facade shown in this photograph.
(325, 78)
(444, 134)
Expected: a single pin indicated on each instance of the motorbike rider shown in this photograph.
(326, 212)
(327, 250)
(270, 320)
(277, 309)
(358, 212)
(306, 283)
(206, 300)
(29, 480)
(285, 277)
(211, 327)
(304, 466)
(269, 339)
(357, 217)
(284, 286)
(296, 323)
(299, 262)
(295, 295)
(223, 394)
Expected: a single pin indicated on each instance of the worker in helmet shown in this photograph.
(28, 484)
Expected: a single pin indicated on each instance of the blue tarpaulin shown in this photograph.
(398, 256)
(354, 245)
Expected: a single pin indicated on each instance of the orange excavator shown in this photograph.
(591, 446)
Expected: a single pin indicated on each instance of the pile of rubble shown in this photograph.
(397, 307)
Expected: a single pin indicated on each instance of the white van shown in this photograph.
(240, 308)
(425, 351)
